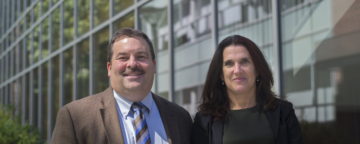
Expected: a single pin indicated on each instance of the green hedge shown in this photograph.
(11, 130)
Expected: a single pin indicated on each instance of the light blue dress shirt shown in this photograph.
(152, 116)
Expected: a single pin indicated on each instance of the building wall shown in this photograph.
(53, 52)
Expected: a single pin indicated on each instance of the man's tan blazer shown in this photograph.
(95, 120)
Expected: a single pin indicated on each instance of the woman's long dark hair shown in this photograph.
(215, 100)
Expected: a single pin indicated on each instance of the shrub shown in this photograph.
(11, 130)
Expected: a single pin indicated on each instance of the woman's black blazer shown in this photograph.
(282, 120)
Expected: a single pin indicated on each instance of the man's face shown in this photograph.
(132, 69)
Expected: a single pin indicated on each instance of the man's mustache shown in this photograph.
(130, 70)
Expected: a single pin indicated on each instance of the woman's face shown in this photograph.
(239, 72)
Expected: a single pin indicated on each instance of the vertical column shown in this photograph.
(171, 51)
(136, 15)
(49, 101)
(276, 14)
(50, 108)
(61, 101)
(91, 53)
(75, 51)
(214, 21)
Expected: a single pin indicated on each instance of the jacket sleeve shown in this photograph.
(293, 127)
(200, 129)
(64, 131)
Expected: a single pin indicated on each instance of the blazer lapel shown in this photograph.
(217, 132)
(167, 118)
(110, 117)
(274, 118)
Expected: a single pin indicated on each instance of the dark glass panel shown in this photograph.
(83, 21)
(10, 63)
(36, 11)
(21, 28)
(36, 44)
(120, 5)
(68, 21)
(101, 11)
(82, 75)
(125, 22)
(28, 20)
(100, 43)
(45, 6)
(35, 103)
(20, 54)
(68, 75)
(27, 98)
(55, 88)
(55, 31)
(44, 95)
(45, 38)
(28, 50)
(19, 98)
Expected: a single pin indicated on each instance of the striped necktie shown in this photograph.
(140, 126)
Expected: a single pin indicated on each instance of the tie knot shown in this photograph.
(137, 106)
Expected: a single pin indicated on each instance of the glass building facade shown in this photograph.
(53, 52)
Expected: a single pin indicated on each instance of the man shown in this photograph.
(127, 112)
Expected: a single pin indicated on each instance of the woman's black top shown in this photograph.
(247, 126)
(282, 119)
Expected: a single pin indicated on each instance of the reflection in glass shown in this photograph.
(17, 57)
(28, 20)
(55, 31)
(11, 60)
(83, 20)
(54, 2)
(153, 22)
(55, 88)
(27, 97)
(68, 21)
(45, 38)
(14, 95)
(35, 83)
(28, 3)
(19, 97)
(44, 95)
(125, 22)
(20, 55)
(45, 6)
(120, 5)
(1, 70)
(320, 61)
(101, 11)
(21, 28)
(254, 21)
(100, 43)
(28, 50)
(82, 71)
(36, 12)
(192, 19)
(36, 44)
(68, 75)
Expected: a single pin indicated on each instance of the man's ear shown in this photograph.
(109, 68)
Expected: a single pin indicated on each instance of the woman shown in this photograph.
(238, 105)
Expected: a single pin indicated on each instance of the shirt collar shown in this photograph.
(125, 104)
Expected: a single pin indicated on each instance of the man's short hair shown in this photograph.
(130, 32)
